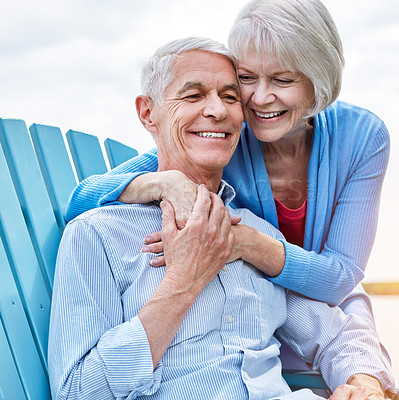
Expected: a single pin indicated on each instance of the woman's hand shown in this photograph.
(359, 387)
(173, 186)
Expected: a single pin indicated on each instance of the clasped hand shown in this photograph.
(195, 254)
(204, 205)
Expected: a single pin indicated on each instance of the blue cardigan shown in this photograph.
(349, 156)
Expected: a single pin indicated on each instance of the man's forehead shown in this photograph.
(196, 69)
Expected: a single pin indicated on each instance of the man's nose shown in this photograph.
(216, 108)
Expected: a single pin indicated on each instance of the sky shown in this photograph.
(75, 64)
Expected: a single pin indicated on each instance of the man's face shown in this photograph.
(200, 121)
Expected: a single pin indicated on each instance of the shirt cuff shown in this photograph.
(296, 268)
(126, 354)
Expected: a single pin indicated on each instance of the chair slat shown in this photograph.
(117, 152)
(10, 384)
(32, 193)
(32, 280)
(55, 166)
(17, 329)
(86, 154)
(300, 379)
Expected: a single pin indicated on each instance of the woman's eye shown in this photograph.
(283, 82)
(246, 78)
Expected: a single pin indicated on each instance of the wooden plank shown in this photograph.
(32, 194)
(118, 153)
(30, 365)
(86, 154)
(10, 385)
(382, 288)
(301, 379)
(30, 277)
(55, 166)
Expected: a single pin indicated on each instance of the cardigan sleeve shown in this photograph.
(330, 275)
(99, 190)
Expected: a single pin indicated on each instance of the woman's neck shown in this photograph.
(295, 144)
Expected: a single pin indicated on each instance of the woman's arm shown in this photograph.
(99, 190)
(333, 272)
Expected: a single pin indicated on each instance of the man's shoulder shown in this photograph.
(111, 215)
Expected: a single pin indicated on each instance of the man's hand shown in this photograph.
(195, 254)
(359, 387)
(154, 244)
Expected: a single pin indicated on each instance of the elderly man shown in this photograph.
(200, 328)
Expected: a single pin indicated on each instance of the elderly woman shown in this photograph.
(310, 165)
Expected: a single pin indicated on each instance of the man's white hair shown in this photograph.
(157, 73)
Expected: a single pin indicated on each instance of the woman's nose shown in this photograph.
(263, 94)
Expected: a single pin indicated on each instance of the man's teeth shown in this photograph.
(211, 134)
(268, 115)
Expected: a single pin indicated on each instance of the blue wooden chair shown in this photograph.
(36, 177)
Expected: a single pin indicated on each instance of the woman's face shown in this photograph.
(274, 100)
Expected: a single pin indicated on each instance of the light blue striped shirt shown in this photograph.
(228, 344)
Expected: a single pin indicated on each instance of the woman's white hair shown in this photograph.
(301, 34)
(157, 72)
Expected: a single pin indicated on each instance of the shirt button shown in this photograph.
(229, 319)
(245, 376)
(225, 268)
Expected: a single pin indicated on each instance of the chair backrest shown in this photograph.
(36, 177)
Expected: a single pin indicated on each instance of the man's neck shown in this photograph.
(211, 179)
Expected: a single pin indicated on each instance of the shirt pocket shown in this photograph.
(271, 307)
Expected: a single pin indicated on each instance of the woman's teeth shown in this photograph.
(211, 134)
(269, 115)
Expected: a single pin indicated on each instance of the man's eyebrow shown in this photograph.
(191, 85)
(232, 86)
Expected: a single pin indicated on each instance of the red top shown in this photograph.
(291, 222)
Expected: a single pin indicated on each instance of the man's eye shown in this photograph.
(231, 98)
(194, 96)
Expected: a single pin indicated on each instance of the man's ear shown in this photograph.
(145, 111)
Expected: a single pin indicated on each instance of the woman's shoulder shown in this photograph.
(344, 121)
(341, 109)
(351, 133)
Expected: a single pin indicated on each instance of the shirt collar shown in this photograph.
(226, 192)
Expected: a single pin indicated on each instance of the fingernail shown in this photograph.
(147, 240)
(145, 249)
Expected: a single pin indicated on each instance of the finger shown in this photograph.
(153, 248)
(218, 212)
(168, 219)
(153, 238)
(234, 220)
(158, 261)
(181, 218)
(202, 205)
